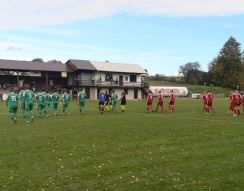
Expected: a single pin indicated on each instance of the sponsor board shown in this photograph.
(167, 90)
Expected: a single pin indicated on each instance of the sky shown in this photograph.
(159, 35)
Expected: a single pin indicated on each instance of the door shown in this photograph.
(136, 93)
(87, 90)
(121, 80)
(98, 91)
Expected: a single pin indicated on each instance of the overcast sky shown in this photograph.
(159, 35)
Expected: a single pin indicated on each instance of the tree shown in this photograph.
(215, 72)
(191, 71)
(37, 60)
(226, 69)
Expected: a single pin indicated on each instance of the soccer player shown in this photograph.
(114, 98)
(81, 100)
(12, 103)
(110, 107)
(55, 99)
(66, 98)
(107, 101)
(123, 102)
(236, 100)
(29, 97)
(40, 100)
(160, 101)
(210, 102)
(22, 102)
(149, 101)
(48, 101)
(172, 101)
(205, 101)
(101, 101)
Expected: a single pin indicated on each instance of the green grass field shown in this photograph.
(131, 151)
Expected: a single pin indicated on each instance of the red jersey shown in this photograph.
(172, 99)
(160, 98)
(205, 99)
(230, 97)
(236, 99)
(210, 96)
(209, 99)
(149, 98)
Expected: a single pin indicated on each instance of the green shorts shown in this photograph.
(12, 109)
(82, 104)
(65, 104)
(28, 106)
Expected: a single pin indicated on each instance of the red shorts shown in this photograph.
(149, 103)
(210, 104)
(172, 103)
(237, 104)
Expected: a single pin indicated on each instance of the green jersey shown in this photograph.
(55, 97)
(12, 100)
(21, 95)
(66, 98)
(44, 95)
(29, 96)
(81, 96)
(114, 97)
(40, 98)
(48, 98)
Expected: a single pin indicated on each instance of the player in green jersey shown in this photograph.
(114, 98)
(48, 102)
(81, 100)
(12, 103)
(40, 100)
(22, 102)
(55, 99)
(66, 98)
(29, 97)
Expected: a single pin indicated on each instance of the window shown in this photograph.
(132, 78)
(108, 77)
(126, 78)
(126, 91)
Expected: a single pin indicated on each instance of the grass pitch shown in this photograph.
(185, 150)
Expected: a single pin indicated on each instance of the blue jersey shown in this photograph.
(102, 97)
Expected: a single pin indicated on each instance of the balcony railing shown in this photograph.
(109, 83)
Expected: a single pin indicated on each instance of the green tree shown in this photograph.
(37, 60)
(191, 71)
(215, 72)
(226, 69)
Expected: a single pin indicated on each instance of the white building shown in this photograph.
(95, 76)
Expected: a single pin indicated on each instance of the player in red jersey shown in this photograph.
(172, 101)
(210, 102)
(160, 101)
(149, 101)
(205, 101)
(236, 101)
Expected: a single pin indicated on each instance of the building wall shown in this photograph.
(101, 76)
(93, 93)
(86, 76)
(118, 91)
(70, 78)
(130, 94)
